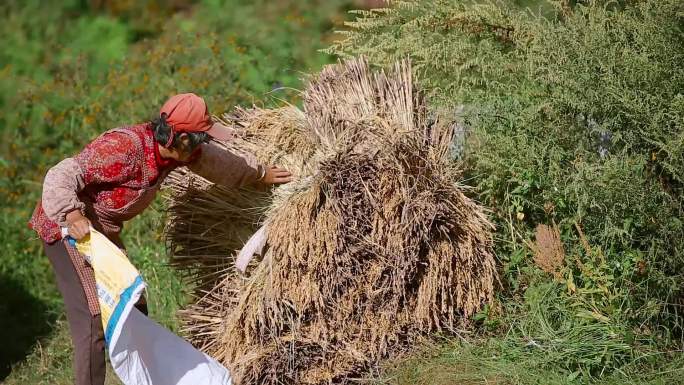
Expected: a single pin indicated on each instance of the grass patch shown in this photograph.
(491, 362)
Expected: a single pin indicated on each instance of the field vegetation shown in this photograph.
(572, 137)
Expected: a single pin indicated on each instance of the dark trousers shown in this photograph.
(86, 330)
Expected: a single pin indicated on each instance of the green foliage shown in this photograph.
(576, 117)
(497, 362)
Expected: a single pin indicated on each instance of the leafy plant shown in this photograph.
(575, 117)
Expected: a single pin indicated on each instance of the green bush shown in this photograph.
(576, 117)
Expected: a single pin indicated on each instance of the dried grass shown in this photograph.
(374, 244)
(549, 254)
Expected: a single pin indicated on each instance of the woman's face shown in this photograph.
(182, 151)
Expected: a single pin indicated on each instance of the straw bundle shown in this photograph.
(373, 245)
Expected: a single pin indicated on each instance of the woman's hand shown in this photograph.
(78, 225)
(276, 175)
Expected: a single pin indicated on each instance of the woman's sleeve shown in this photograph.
(108, 159)
(60, 186)
(226, 168)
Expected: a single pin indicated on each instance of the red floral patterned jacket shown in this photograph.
(117, 175)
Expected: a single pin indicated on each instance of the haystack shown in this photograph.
(373, 245)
